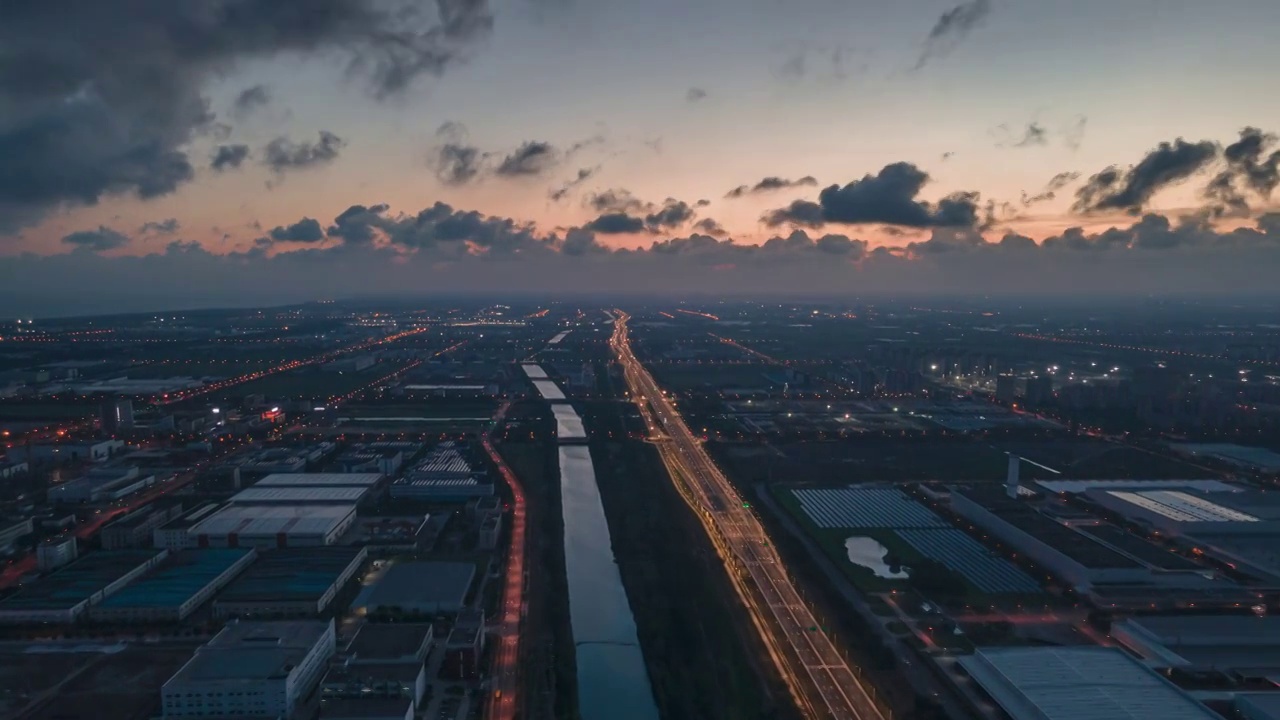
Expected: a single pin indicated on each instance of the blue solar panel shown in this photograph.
(852, 507)
(986, 571)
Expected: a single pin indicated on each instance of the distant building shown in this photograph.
(65, 595)
(490, 531)
(444, 475)
(175, 535)
(428, 588)
(290, 583)
(251, 669)
(101, 484)
(10, 467)
(12, 530)
(1039, 390)
(1006, 388)
(274, 526)
(464, 647)
(92, 450)
(183, 582)
(116, 415)
(136, 529)
(56, 552)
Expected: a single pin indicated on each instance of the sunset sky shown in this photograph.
(223, 139)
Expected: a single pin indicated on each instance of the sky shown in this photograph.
(247, 151)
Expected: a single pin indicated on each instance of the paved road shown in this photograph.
(505, 678)
(822, 682)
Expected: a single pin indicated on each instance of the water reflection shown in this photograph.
(869, 553)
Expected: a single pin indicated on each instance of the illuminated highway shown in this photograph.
(504, 704)
(822, 682)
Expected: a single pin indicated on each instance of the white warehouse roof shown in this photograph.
(256, 520)
(320, 479)
(1078, 683)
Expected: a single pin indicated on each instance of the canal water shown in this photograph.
(612, 679)
(613, 683)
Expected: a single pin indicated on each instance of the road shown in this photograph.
(504, 704)
(822, 682)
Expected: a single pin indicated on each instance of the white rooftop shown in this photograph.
(1080, 486)
(258, 520)
(568, 423)
(534, 372)
(1181, 507)
(548, 390)
(320, 479)
(1078, 683)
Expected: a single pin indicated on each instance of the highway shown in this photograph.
(504, 704)
(822, 682)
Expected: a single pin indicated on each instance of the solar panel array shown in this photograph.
(853, 507)
(953, 548)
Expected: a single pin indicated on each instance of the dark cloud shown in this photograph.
(1035, 134)
(616, 200)
(228, 157)
(306, 230)
(1056, 183)
(670, 216)
(100, 240)
(1252, 168)
(710, 227)
(250, 99)
(888, 197)
(1130, 190)
(579, 241)
(356, 224)
(160, 227)
(104, 97)
(283, 154)
(563, 191)
(530, 159)
(948, 155)
(793, 68)
(702, 203)
(951, 29)
(615, 223)
(695, 94)
(457, 164)
(770, 184)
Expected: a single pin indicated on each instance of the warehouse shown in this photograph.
(175, 535)
(179, 585)
(1078, 683)
(288, 495)
(1182, 511)
(1245, 645)
(364, 480)
(66, 594)
(428, 588)
(290, 583)
(444, 475)
(251, 669)
(274, 526)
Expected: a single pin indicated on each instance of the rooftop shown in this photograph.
(78, 581)
(319, 480)
(177, 579)
(301, 495)
(294, 575)
(389, 641)
(258, 520)
(365, 708)
(250, 651)
(1078, 683)
(410, 584)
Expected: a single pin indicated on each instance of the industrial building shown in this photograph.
(268, 461)
(13, 530)
(1182, 511)
(367, 709)
(289, 495)
(175, 588)
(100, 485)
(66, 594)
(464, 647)
(1243, 645)
(376, 680)
(273, 526)
(52, 553)
(1082, 555)
(1258, 706)
(174, 534)
(444, 475)
(490, 531)
(370, 458)
(251, 669)
(137, 528)
(428, 588)
(59, 452)
(290, 583)
(1038, 683)
(320, 480)
(390, 642)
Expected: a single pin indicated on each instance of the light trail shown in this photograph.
(504, 704)
(822, 682)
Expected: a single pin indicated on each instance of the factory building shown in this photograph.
(444, 475)
(1033, 683)
(1243, 645)
(174, 589)
(13, 530)
(376, 680)
(320, 480)
(55, 552)
(290, 583)
(136, 529)
(251, 669)
(66, 594)
(464, 647)
(390, 642)
(426, 588)
(60, 452)
(273, 526)
(101, 485)
(292, 495)
(175, 535)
